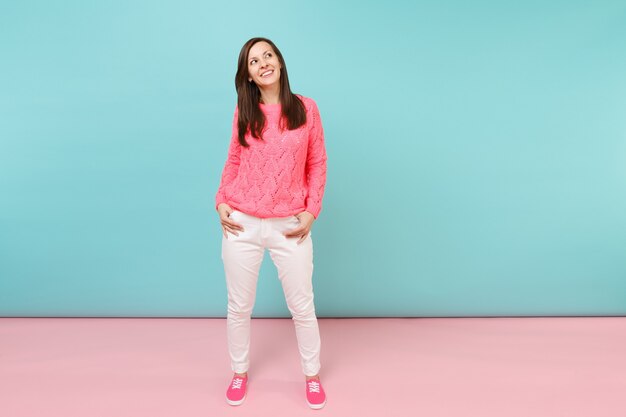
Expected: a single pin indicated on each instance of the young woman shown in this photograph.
(270, 194)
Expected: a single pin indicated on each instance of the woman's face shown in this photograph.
(263, 65)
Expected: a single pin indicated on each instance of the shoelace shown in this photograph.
(237, 383)
(314, 386)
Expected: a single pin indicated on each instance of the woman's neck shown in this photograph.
(271, 94)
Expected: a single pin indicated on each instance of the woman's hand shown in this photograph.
(306, 221)
(228, 225)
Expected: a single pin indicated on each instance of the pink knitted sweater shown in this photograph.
(281, 175)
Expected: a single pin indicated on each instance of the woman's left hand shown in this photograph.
(306, 221)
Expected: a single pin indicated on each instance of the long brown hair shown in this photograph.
(251, 118)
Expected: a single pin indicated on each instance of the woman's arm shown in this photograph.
(315, 163)
(231, 167)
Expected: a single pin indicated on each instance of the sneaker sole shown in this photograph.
(316, 406)
(231, 402)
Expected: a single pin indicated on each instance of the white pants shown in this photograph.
(242, 256)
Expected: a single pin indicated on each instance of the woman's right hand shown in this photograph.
(228, 225)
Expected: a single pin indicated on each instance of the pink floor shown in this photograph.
(502, 367)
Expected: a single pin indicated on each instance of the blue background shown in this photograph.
(476, 155)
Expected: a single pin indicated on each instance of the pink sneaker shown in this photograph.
(315, 395)
(236, 392)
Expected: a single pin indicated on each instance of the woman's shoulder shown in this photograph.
(308, 102)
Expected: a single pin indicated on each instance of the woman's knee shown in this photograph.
(303, 308)
(239, 310)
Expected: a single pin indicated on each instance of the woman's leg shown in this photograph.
(295, 271)
(242, 256)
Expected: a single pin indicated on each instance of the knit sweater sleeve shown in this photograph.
(231, 167)
(315, 163)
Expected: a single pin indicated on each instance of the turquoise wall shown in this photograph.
(477, 155)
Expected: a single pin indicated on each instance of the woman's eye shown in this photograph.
(253, 61)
